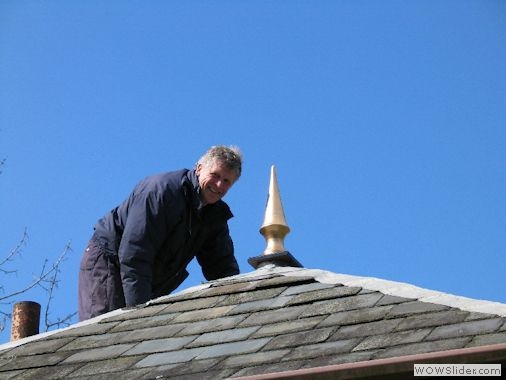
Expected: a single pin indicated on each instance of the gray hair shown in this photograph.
(230, 156)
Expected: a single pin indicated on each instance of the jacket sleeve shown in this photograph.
(142, 237)
(217, 254)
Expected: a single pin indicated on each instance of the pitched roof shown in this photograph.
(274, 319)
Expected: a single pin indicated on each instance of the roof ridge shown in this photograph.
(394, 288)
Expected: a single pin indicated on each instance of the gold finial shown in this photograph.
(274, 228)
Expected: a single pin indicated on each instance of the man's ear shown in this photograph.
(198, 168)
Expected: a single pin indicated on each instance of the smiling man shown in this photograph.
(141, 248)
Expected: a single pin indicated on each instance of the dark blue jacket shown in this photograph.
(159, 229)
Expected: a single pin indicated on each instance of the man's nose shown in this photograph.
(222, 185)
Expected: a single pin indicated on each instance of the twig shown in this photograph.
(53, 284)
(16, 251)
(42, 277)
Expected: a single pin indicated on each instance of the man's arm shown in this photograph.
(217, 255)
(142, 238)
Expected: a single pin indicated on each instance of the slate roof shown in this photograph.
(271, 320)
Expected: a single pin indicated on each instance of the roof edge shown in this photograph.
(31, 338)
(393, 288)
(386, 368)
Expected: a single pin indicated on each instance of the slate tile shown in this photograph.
(226, 290)
(473, 315)
(133, 313)
(389, 299)
(7, 375)
(199, 315)
(223, 336)
(106, 366)
(130, 374)
(353, 317)
(437, 318)
(421, 347)
(416, 307)
(466, 328)
(136, 374)
(34, 361)
(241, 298)
(150, 333)
(392, 339)
(269, 368)
(91, 329)
(191, 367)
(338, 358)
(260, 305)
(365, 329)
(139, 323)
(5, 360)
(253, 359)
(235, 348)
(247, 278)
(208, 375)
(159, 345)
(40, 347)
(273, 316)
(342, 304)
(192, 304)
(284, 281)
(171, 357)
(217, 324)
(5, 352)
(93, 341)
(324, 294)
(158, 372)
(295, 325)
(304, 352)
(299, 338)
(485, 340)
(101, 353)
(310, 287)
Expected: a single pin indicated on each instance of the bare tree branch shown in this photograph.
(14, 252)
(47, 279)
(43, 276)
(53, 284)
(3, 319)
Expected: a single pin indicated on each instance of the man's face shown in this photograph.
(214, 180)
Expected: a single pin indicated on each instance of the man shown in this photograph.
(140, 249)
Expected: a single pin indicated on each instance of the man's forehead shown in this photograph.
(221, 167)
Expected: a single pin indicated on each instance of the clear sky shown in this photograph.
(386, 121)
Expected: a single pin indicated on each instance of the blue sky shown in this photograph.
(386, 121)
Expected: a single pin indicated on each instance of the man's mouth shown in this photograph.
(217, 193)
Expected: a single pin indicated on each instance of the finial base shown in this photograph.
(281, 259)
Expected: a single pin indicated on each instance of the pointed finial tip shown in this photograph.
(274, 230)
(274, 227)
